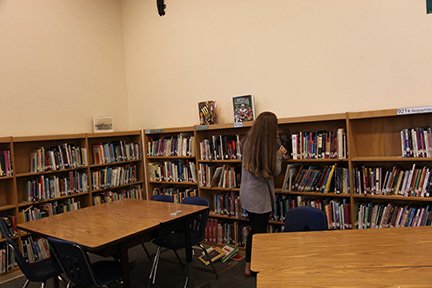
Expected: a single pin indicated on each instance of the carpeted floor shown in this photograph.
(170, 272)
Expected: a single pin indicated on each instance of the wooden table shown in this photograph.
(394, 257)
(124, 224)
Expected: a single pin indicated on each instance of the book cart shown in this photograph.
(42, 176)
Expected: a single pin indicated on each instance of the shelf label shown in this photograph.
(202, 127)
(150, 131)
(238, 124)
(414, 110)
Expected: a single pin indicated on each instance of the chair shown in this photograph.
(173, 237)
(76, 264)
(39, 271)
(162, 198)
(305, 219)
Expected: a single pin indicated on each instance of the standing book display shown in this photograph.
(244, 108)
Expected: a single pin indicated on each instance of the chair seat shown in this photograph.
(106, 272)
(177, 240)
(43, 270)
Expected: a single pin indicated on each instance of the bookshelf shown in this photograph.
(45, 175)
(390, 188)
(171, 162)
(115, 166)
(219, 166)
(356, 140)
(316, 169)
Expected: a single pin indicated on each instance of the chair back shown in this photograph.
(162, 198)
(200, 222)
(305, 219)
(22, 263)
(73, 261)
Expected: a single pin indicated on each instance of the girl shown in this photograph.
(261, 161)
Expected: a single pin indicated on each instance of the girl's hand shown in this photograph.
(282, 150)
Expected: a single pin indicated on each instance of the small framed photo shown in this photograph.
(244, 108)
(102, 124)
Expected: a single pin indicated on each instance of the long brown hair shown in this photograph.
(259, 151)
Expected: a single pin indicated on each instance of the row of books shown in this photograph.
(173, 171)
(114, 176)
(379, 215)
(315, 178)
(5, 163)
(415, 181)
(224, 176)
(180, 145)
(7, 259)
(64, 156)
(10, 225)
(228, 204)
(338, 211)
(134, 192)
(116, 151)
(177, 193)
(49, 187)
(35, 250)
(221, 147)
(47, 209)
(416, 142)
(319, 144)
(226, 232)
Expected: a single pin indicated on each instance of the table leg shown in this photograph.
(188, 252)
(125, 266)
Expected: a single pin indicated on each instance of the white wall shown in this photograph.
(61, 62)
(298, 57)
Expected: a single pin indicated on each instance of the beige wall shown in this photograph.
(61, 62)
(298, 57)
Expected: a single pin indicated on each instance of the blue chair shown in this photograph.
(39, 271)
(173, 236)
(162, 198)
(77, 266)
(305, 219)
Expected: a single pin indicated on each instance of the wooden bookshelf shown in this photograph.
(37, 159)
(376, 146)
(369, 138)
(170, 160)
(116, 165)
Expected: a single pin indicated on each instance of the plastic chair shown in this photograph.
(305, 219)
(162, 198)
(173, 236)
(39, 271)
(76, 264)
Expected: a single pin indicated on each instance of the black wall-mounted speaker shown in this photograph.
(161, 7)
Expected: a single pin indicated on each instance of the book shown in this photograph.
(244, 108)
(230, 251)
(214, 253)
(207, 112)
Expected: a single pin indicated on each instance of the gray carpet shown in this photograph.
(170, 272)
